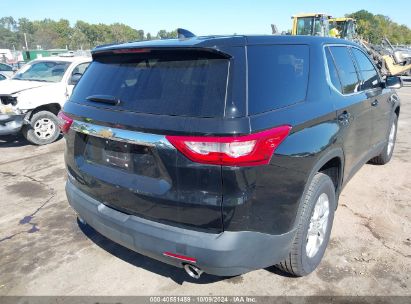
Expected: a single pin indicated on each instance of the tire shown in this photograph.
(304, 258)
(386, 153)
(43, 128)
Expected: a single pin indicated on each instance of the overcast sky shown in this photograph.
(200, 17)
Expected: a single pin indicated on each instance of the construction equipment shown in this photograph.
(390, 60)
(312, 24)
(346, 27)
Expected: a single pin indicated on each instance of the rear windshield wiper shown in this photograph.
(112, 100)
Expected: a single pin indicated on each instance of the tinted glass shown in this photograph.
(47, 71)
(346, 69)
(168, 84)
(335, 80)
(277, 76)
(80, 69)
(2, 77)
(369, 75)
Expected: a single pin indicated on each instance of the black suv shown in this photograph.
(224, 154)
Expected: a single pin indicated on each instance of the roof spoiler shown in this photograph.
(184, 34)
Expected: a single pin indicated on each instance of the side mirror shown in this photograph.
(75, 78)
(393, 82)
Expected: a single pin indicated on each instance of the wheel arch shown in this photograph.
(50, 107)
(330, 163)
(324, 162)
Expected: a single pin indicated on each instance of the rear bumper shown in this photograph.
(224, 254)
(11, 124)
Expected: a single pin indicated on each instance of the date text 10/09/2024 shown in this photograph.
(203, 299)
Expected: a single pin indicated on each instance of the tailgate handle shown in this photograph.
(133, 137)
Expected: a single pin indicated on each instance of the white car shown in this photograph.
(32, 98)
(3, 77)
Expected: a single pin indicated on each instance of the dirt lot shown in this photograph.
(43, 251)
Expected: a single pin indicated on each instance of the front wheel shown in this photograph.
(314, 227)
(43, 128)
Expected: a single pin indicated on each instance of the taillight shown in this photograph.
(248, 150)
(64, 122)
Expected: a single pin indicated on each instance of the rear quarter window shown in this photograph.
(277, 76)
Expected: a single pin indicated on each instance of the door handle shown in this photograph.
(375, 103)
(344, 118)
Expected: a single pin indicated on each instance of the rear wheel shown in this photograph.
(386, 153)
(43, 128)
(314, 227)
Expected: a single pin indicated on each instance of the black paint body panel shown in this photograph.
(217, 198)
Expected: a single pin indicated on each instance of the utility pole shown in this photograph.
(25, 40)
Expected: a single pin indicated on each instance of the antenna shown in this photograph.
(184, 34)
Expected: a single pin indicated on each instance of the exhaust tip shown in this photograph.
(193, 271)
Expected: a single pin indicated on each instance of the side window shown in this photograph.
(277, 76)
(81, 68)
(335, 79)
(370, 78)
(346, 69)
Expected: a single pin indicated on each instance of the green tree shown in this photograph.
(64, 32)
(8, 23)
(124, 33)
(163, 34)
(375, 27)
(25, 26)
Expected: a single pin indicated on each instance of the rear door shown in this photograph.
(378, 98)
(124, 105)
(352, 106)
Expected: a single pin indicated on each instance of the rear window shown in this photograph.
(183, 83)
(277, 76)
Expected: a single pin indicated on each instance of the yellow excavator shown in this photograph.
(390, 60)
(312, 24)
(346, 27)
